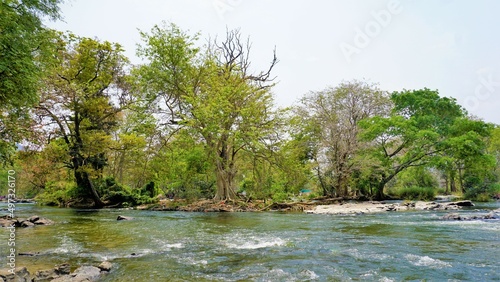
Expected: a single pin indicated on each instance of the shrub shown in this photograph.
(416, 193)
(280, 197)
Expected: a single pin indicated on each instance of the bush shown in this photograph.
(416, 193)
(280, 197)
(482, 193)
(117, 194)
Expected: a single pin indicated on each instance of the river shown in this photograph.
(267, 246)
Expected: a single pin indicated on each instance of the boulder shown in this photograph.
(105, 266)
(43, 221)
(45, 275)
(51, 274)
(5, 275)
(465, 203)
(33, 218)
(20, 274)
(453, 216)
(26, 223)
(82, 274)
(456, 216)
(492, 215)
(121, 217)
(4, 222)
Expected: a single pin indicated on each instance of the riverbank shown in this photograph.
(338, 206)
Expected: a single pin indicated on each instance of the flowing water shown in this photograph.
(269, 246)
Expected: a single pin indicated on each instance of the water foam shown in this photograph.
(309, 274)
(426, 261)
(167, 246)
(256, 243)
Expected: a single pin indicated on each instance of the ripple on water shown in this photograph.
(68, 246)
(367, 256)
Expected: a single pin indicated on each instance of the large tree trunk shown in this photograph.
(447, 190)
(225, 173)
(379, 196)
(83, 180)
(225, 185)
(343, 188)
(453, 186)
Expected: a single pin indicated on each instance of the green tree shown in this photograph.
(418, 131)
(333, 116)
(471, 165)
(79, 103)
(212, 92)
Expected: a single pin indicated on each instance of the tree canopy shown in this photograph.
(196, 120)
(211, 92)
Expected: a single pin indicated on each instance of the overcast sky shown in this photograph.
(449, 45)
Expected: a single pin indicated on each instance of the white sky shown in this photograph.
(449, 45)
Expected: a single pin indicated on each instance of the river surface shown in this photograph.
(268, 246)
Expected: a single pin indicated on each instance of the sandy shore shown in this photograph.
(374, 207)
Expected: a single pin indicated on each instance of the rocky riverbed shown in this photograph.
(61, 273)
(354, 208)
(7, 221)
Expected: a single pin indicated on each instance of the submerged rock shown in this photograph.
(105, 266)
(452, 216)
(121, 217)
(43, 221)
(27, 223)
(456, 216)
(28, 254)
(85, 273)
(20, 274)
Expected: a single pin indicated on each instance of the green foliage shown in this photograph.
(115, 194)
(211, 93)
(424, 129)
(82, 94)
(280, 197)
(416, 177)
(483, 192)
(22, 41)
(58, 193)
(195, 122)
